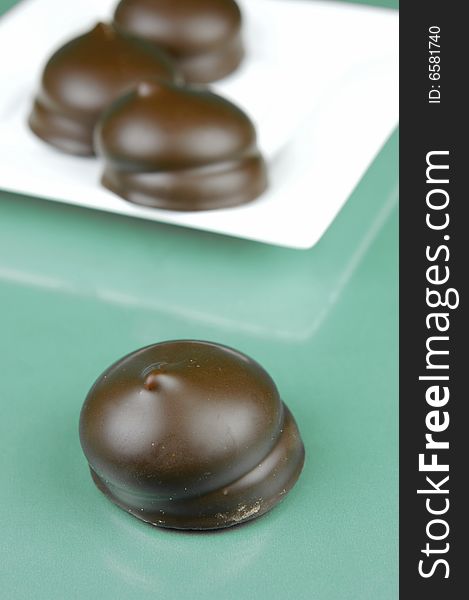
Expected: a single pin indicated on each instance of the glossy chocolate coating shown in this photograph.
(180, 149)
(190, 435)
(203, 36)
(83, 77)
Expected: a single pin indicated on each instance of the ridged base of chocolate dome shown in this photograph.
(211, 66)
(249, 497)
(221, 185)
(60, 131)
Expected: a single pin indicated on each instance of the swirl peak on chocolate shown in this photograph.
(82, 77)
(203, 36)
(179, 149)
(190, 435)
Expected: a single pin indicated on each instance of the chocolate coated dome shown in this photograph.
(180, 149)
(203, 36)
(190, 435)
(83, 77)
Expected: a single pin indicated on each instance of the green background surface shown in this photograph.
(78, 289)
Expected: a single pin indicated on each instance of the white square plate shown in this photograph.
(320, 82)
